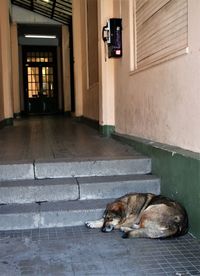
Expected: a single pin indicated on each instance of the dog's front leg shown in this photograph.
(95, 223)
(126, 222)
(126, 229)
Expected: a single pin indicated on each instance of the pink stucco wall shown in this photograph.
(161, 103)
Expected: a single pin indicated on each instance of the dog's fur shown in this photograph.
(144, 215)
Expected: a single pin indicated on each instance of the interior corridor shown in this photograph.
(78, 250)
(53, 138)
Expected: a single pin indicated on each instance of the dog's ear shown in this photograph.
(118, 208)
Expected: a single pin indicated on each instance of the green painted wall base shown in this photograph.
(106, 130)
(6, 122)
(18, 115)
(179, 171)
(90, 122)
(66, 113)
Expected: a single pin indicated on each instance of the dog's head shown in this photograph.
(113, 214)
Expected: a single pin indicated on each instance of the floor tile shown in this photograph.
(81, 251)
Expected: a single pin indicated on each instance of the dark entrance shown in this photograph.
(40, 80)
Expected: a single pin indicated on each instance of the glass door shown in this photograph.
(40, 83)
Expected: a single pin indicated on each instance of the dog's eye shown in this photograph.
(109, 218)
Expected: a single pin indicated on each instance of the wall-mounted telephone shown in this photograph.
(112, 35)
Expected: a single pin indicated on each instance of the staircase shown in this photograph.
(68, 192)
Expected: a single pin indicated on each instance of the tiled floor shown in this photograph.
(82, 251)
(78, 250)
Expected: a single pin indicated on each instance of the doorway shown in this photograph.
(40, 80)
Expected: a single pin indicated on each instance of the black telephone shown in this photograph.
(112, 35)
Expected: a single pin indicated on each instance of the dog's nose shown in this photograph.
(103, 229)
(107, 228)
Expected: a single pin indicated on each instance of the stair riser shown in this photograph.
(38, 194)
(118, 189)
(74, 191)
(76, 169)
(49, 219)
(16, 171)
(92, 168)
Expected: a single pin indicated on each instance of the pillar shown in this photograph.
(66, 69)
(15, 69)
(106, 73)
(78, 54)
(5, 52)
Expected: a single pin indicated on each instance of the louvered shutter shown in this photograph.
(161, 29)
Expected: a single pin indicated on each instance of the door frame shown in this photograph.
(54, 64)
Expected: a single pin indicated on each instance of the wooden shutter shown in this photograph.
(161, 29)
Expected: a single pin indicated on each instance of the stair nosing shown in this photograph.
(76, 205)
(116, 178)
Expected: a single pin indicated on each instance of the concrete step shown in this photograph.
(14, 171)
(98, 187)
(31, 191)
(54, 214)
(95, 167)
(75, 168)
(46, 194)
(95, 187)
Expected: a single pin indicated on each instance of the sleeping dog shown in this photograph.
(144, 216)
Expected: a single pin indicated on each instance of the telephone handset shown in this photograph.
(112, 36)
(106, 33)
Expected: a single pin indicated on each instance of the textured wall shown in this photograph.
(161, 103)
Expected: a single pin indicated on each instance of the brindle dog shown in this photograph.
(144, 216)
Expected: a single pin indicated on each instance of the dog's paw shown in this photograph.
(125, 229)
(89, 224)
(95, 223)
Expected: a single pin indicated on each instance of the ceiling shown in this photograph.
(59, 10)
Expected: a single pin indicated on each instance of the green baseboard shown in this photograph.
(179, 171)
(90, 122)
(6, 122)
(106, 130)
(66, 114)
(17, 115)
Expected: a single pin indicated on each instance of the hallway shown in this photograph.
(54, 138)
(76, 250)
